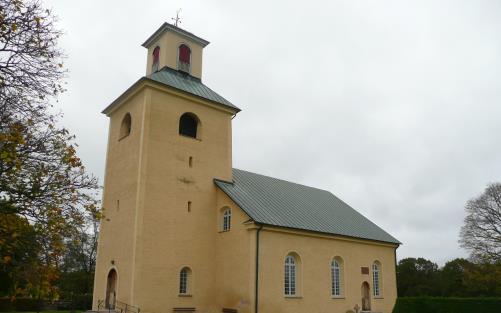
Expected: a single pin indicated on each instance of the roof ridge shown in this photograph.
(177, 72)
(285, 181)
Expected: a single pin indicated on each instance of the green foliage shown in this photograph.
(417, 277)
(80, 303)
(21, 304)
(446, 305)
(75, 283)
(453, 278)
(19, 250)
(457, 278)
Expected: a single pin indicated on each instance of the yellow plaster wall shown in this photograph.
(315, 254)
(169, 43)
(121, 184)
(170, 237)
(234, 258)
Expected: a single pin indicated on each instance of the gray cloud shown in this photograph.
(394, 106)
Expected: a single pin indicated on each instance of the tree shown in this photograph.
(482, 280)
(454, 278)
(417, 277)
(79, 261)
(19, 249)
(481, 232)
(42, 180)
(30, 60)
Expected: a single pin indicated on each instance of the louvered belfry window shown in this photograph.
(184, 58)
(156, 59)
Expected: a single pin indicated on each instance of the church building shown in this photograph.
(184, 231)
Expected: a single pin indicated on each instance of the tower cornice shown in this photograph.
(166, 27)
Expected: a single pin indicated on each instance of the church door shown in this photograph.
(366, 297)
(111, 285)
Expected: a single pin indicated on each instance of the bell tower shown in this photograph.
(169, 139)
(175, 48)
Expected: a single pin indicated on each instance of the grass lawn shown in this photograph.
(76, 311)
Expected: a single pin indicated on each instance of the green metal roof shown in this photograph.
(276, 202)
(189, 84)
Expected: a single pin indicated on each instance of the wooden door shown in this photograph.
(111, 285)
(366, 297)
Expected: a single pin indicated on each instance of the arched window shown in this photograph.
(125, 127)
(290, 275)
(376, 279)
(337, 277)
(184, 60)
(226, 219)
(188, 125)
(156, 59)
(184, 281)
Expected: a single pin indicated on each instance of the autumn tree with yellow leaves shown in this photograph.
(46, 195)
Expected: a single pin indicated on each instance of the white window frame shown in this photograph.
(376, 279)
(290, 276)
(184, 279)
(226, 226)
(336, 272)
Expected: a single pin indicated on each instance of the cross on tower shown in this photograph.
(176, 19)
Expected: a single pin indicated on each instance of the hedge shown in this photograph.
(80, 302)
(446, 305)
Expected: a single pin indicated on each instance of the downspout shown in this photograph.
(256, 302)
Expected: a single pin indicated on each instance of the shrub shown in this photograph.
(446, 305)
(82, 302)
(28, 304)
(6, 305)
(20, 304)
(78, 302)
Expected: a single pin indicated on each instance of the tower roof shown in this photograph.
(179, 81)
(166, 27)
(189, 84)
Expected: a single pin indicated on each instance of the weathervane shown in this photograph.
(177, 19)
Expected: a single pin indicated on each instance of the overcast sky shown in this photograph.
(394, 106)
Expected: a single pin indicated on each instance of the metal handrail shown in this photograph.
(118, 306)
(100, 305)
(126, 308)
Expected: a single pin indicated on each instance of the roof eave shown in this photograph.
(144, 79)
(115, 102)
(235, 110)
(398, 243)
(168, 27)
